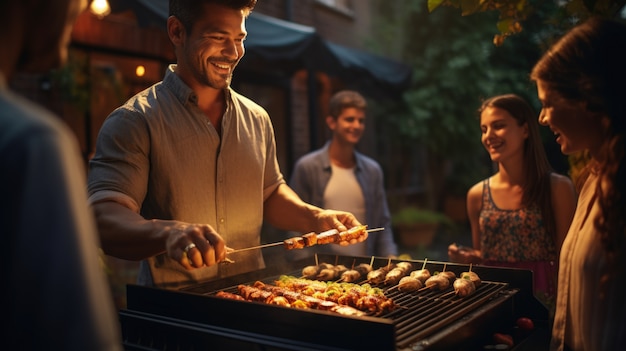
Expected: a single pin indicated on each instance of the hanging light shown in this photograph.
(100, 8)
(140, 71)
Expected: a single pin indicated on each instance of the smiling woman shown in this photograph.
(580, 82)
(518, 216)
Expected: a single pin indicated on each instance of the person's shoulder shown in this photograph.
(368, 161)
(143, 103)
(20, 116)
(310, 157)
(560, 182)
(247, 103)
(559, 178)
(476, 189)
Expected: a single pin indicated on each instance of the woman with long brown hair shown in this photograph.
(519, 216)
(581, 82)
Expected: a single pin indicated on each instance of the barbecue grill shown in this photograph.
(193, 318)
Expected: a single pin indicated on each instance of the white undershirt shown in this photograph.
(344, 193)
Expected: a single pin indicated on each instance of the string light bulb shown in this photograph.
(140, 71)
(100, 8)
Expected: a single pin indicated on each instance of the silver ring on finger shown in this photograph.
(189, 247)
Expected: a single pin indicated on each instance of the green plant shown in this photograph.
(413, 215)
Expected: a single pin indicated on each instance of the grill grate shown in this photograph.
(424, 320)
(420, 313)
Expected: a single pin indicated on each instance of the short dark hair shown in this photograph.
(345, 99)
(187, 11)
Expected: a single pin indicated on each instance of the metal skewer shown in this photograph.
(281, 243)
(256, 247)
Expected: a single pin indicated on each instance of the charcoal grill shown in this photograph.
(194, 319)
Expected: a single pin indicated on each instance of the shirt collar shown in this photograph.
(181, 90)
(326, 158)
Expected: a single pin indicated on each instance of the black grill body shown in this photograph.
(194, 319)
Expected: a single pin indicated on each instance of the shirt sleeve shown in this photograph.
(120, 166)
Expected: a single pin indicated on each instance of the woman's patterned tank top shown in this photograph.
(513, 235)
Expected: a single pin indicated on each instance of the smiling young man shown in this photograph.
(339, 177)
(189, 166)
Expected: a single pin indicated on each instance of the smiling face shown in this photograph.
(502, 136)
(207, 55)
(576, 129)
(348, 127)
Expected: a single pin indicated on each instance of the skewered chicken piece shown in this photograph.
(296, 242)
(339, 270)
(333, 236)
(473, 277)
(350, 276)
(356, 274)
(352, 235)
(450, 275)
(326, 274)
(463, 287)
(310, 272)
(363, 268)
(378, 276)
(400, 270)
(328, 237)
(394, 276)
(437, 282)
(310, 239)
(405, 266)
(408, 284)
(422, 275)
(331, 272)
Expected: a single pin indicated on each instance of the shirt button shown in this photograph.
(222, 220)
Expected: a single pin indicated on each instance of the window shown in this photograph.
(342, 6)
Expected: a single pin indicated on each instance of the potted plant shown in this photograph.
(416, 227)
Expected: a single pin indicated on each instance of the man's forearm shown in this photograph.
(125, 234)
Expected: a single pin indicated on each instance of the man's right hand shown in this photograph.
(194, 245)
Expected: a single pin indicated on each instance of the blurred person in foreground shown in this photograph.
(581, 83)
(189, 165)
(519, 216)
(55, 292)
(339, 177)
